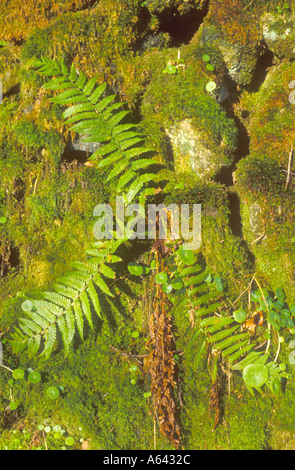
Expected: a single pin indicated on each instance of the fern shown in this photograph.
(97, 118)
(75, 298)
(221, 331)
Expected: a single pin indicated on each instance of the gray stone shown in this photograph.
(89, 147)
(279, 34)
(240, 61)
(255, 223)
(194, 150)
(9, 79)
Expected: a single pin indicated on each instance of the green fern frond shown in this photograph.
(94, 115)
(63, 310)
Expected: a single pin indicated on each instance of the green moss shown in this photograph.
(258, 175)
(29, 135)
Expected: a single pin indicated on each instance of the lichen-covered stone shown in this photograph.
(279, 34)
(193, 149)
(240, 61)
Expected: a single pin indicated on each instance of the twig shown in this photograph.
(247, 288)
(278, 350)
(45, 442)
(290, 162)
(1, 365)
(257, 239)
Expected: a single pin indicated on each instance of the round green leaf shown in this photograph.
(135, 269)
(13, 405)
(218, 284)
(27, 306)
(255, 295)
(275, 385)
(34, 377)
(133, 368)
(240, 315)
(278, 305)
(177, 283)
(186, 256)
(285, 314)
(70, 441)
(280, 294)
(208, 279)
(210, 67)
(210, 86)
(153, 264)
(147, 394)
(52, 393)
(167, 288)
(3, 220)
(18, 374)
(255, 375)
(292, 308)
(171, 69)
(135, 334)
(161, 278)
(133, 382)
(274, 319)
(206, 57)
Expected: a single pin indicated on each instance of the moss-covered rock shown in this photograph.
(278, 33)
(193, 149)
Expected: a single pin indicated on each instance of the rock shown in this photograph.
(89, 147)
(279, 34)
(8, 80)
(194, 150)
(255, 223)
(240, 60)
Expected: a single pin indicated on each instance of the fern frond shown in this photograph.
(49, 340)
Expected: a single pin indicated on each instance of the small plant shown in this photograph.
(211, 85)
(283, 9)
(172, 67)
(54, 437)
(209, 66)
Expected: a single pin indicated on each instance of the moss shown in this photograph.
(268, 227)
(29, 135)
(170, 99)
(17, 21)
(258, 175)
(183, 7)
(223, 251)
(271, 116)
